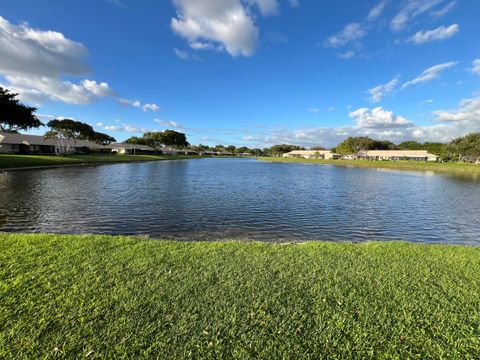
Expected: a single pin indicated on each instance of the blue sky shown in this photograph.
(249, 72)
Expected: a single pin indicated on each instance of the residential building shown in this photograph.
(312, 154)
(417, 155)
(131, 149)
(39, 145)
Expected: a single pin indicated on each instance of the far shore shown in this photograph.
(32, 162)
(398, 165)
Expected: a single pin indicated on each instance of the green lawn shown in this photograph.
(120, 297)
(402, 165)
(18, 161)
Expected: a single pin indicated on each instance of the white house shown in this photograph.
(312, 154)
(417, 155)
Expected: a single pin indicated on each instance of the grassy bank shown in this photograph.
(401, 165)
(115, 297)
(19, 161)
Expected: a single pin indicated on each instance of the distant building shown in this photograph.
(39, 145)
(417, 155)
(131, 149)
(312, 154)
(172, 151)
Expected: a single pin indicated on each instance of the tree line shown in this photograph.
(15, 117)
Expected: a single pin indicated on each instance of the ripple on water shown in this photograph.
(213, 199)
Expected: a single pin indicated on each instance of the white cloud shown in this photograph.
(25, 50)
(376, 11)
(294, 3)
(411, 9)
(122, 128)
(225, 23)
(468, 112)
(97, 89)
(314, 110)
(347, 55)
(37, 89)
(437, 34)
(34, 61)
(266, 7)
(428, 101)
(168, 123)
(476, 66)
(430, 73)
(351, 32)
(378, 92)
(138, 104)
(444, 10)
(378, 118)
(151, 107)
(181, 54)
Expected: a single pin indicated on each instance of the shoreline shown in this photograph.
(463, 168)
(39, 162)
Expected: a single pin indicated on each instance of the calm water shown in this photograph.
(242, 198)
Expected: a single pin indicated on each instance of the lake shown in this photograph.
(215, 199)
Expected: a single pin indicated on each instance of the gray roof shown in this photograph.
(130, 147)
(21, 139)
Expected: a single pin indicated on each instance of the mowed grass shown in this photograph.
(120, 297)
(401, 165)
(18, 161)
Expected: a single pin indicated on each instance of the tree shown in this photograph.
(15, 116)
(65, 132)
(231, 149)
(103, 139)
(201, 148)
(279, 150)
(154, 139)
(410, 145)
(135, 140)
(244, 150)
(353, 145)
(258, 152)
(219, 148)
(465, 148)
(174, 138)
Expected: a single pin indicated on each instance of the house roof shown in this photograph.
(130, 147)
(21, 139)
(396, 153)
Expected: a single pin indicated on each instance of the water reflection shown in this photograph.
(213, 199)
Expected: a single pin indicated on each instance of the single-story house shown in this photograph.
(216, 153)
(131, 149)
(26, 144)
(34, 144)
(417, 155)
(312, 154)
(172, 151)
